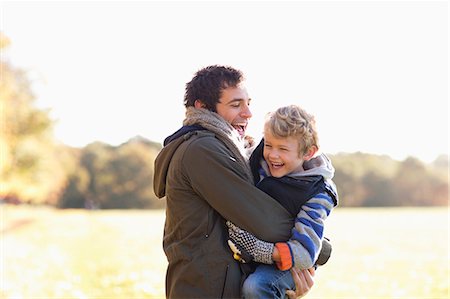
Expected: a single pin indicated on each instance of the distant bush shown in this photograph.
(373, 181)
(110, 177)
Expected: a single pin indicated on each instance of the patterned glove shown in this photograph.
(249, 246)
(239, 254)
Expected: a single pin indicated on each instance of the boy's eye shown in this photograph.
(267, 145)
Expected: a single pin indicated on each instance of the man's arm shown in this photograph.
(218, 178)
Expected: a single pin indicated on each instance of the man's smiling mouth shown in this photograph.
(240, 128)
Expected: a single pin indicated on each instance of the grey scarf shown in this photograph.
(213, 122)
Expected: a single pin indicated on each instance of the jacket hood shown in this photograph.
(320, 165)
(164, 157)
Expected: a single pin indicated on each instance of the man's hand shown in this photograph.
(303, 282)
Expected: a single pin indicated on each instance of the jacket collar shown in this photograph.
(182, 131)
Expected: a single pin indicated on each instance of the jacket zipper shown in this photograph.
(209, 223)
(224, 281)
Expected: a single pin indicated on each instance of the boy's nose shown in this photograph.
(273, 154)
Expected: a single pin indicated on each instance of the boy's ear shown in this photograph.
(310, 153)
(199, 104)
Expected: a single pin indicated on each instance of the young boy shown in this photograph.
(286, 166)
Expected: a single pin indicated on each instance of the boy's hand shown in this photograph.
(240, 254)
(249, 245)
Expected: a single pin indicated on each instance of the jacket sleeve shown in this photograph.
(303, 248)
(306, 240)
(220, 180)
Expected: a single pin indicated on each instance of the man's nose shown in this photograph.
(246, 113)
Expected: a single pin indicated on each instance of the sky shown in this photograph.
(374, 73)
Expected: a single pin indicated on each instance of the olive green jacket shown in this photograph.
(204, 184)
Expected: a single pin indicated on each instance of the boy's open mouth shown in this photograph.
(277, 165)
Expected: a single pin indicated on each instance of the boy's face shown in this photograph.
(282, 154)
(233, 106)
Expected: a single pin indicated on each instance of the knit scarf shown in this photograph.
(213, 122)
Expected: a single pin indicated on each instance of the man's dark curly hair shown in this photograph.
(208, 83)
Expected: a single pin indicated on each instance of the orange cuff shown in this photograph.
(285, 256)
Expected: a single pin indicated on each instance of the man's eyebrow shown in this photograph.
(238, 100)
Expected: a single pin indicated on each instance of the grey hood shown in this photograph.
(320, 165)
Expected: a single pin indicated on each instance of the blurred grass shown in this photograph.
(377, 253)
(82, 254)
(386, 253)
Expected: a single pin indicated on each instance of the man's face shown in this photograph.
(233, 106)
(281, 154)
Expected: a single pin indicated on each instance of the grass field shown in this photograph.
(377, 253)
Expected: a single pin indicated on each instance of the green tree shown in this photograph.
(373, 180)
(110, 177)
(30, 169)
(132, 183)
(74, 193)
(379, 191)
(418, 185)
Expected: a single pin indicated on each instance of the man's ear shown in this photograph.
(199, 104)
(310, 153)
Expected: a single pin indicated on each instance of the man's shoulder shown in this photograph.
(203, 142)
(201, 138)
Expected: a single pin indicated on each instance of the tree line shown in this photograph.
(108, 177)
(372, 180)
(36, 169)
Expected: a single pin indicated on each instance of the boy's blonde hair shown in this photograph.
(293, 121)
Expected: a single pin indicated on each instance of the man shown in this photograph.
(203, 172)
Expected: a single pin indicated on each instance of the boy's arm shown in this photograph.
(306, 241)
(304, 245)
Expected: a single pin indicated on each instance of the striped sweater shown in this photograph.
(306, 239)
